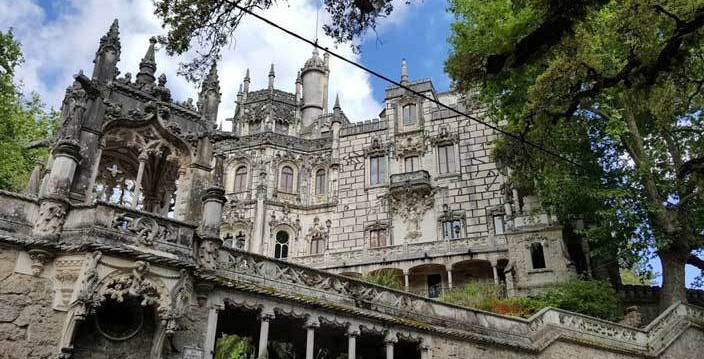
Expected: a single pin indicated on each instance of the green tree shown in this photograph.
(615, 87)
(22, 121)
(211, 24)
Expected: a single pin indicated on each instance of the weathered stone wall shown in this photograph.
(29, 327)
(192, 330)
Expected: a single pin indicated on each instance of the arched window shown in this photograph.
(281, 247)
(286, 182)
(241, 179)
(409, 114)
(317, 245)
(320, 182)
(537, 256)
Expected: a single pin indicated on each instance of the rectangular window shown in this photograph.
(446, 159)
(377, 238)
(452, 229)
(499, 224)
(377, 169)
(410, 163)
(409, 114)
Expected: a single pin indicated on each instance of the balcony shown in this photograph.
(410, 182)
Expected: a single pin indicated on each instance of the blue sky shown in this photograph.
(60, 37)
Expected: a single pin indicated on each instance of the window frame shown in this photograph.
(377, 169)
(409, 114)
(537, 256)
(414, 161)
(240, 179)
(317, 245)
(287, 186)
(446, 159)
(280, 247)
(320, 185)
(378, 238)
(452, 222)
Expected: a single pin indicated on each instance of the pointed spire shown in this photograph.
(272, 75)
(209, 98)
(111, 40)
(245, 89)
(404, 72)
(147, 67)
(299, 80)
(337, 103)
(239, 95)
(108, 54)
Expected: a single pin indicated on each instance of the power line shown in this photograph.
(407, 88)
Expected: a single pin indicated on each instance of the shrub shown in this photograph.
(595, 298)
(385, 277)
(233, 347)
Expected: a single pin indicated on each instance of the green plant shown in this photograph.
(233, 347)
(473, 295)
(384, 277)
(595, 298)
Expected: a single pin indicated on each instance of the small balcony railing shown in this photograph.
(410, 181)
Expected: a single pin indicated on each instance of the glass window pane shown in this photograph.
(382, 169)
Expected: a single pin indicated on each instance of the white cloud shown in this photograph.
(58, 44)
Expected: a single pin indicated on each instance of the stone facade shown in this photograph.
(126, 246)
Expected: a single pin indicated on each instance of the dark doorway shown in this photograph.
(434, 285)
(370, 346)
(406, 350)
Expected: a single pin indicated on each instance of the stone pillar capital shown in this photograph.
(267, 314)
(391, 337)
(352, 331)
(311, 323)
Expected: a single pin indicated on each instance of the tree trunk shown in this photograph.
(673, 287)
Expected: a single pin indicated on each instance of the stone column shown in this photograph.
(89, 195)
(211, 333)
(266, 316)
(424, 349)
(494, 267)
(406, 283)
(449, 278)
(310, 326)
(390, 340)
(257, 240)
(143, 157)
(53, 201)
(352, 334)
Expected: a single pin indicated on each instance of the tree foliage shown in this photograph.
(385, 277)
(22, 121)
(617, 89)
(211, 24)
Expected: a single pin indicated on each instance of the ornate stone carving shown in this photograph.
(597, 327)
(39, 258)
(136, 284)
(411, 207)
(51, 219)
(147, 230)
(207, 254)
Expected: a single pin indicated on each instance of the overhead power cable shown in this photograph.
(408, 88)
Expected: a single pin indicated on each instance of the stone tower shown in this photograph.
(314, 75)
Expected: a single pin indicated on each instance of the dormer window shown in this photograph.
(409, 114)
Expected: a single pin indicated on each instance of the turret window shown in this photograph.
(409, 114)
(281, 247)
(241, 179)
(320, 182)
(286, 181)
(377, 169)
(446, 159)
(537, 255)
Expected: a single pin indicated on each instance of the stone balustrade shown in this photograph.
(396, 252)
(410, 181)
(291, 281)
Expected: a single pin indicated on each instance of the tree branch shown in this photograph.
(693, 260)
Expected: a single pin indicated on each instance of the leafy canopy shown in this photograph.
(615, 86)
(22, 121)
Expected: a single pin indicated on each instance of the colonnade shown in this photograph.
(311, 327)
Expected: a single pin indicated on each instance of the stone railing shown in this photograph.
(113, 224)
(393, 253)
(291, 281)
(17, 212)
(410, 180)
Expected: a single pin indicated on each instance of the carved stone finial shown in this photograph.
(404, 72)
(147, 67)
(39, 258)
(272, 75)
(111, 40)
